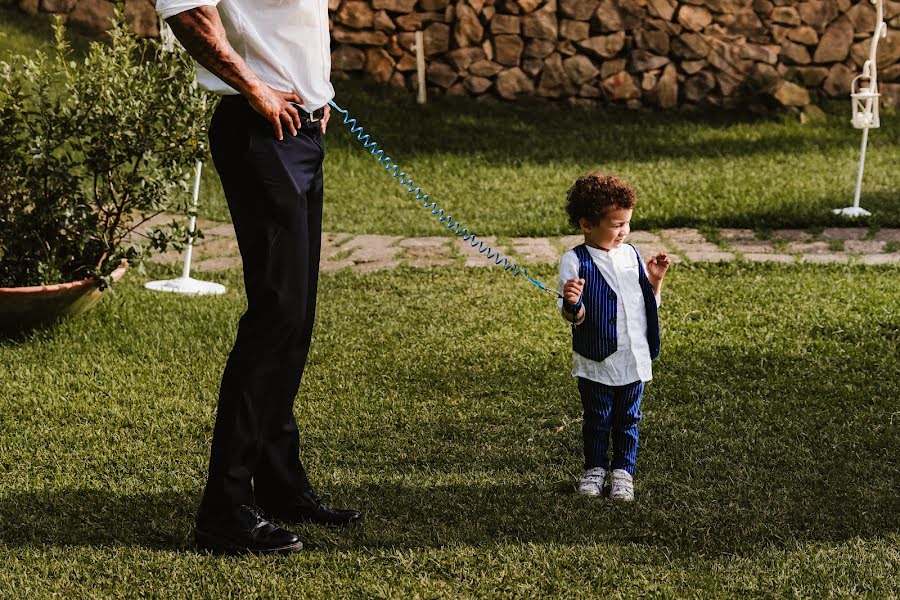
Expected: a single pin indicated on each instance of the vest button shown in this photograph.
(612, 296)
(612, 320)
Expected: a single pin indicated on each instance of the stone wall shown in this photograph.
(660, 53)
(94, 16)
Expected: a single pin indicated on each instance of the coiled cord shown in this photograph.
(455, 226)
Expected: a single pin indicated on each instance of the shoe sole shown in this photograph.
(217, 545)
(588, 493)
(621, 498)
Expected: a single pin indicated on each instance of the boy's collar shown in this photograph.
(603, 251)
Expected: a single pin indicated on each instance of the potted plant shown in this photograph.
(91, 150)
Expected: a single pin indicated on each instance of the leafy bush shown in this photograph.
(90, 150)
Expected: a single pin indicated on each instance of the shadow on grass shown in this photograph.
(808, 212)
(410, 516)
(84, 517)
(746, 445)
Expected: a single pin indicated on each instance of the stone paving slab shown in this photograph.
(738, 235)
(791, 235)
(881, 259)
(426, 247)
(766, 257)
(366, 252)
(535, 250)
(427, 252)
(373, 252)
(887, 235)
(864, 246)
(222, 246)
(471, 254)
(710, 256)
(807, 248)
(824, 259)
(220, 230)
(844, 233)
(757, 247)
(683, 235)
(694, 247)
(219, 263)
(642, 237)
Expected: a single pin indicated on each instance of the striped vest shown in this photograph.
(596, 337)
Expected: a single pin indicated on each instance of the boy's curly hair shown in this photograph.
(595, 193)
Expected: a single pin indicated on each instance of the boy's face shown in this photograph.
(610, 231)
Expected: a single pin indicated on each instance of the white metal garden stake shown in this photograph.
(185, 284)
(864, 98)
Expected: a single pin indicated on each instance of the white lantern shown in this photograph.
(865, 105)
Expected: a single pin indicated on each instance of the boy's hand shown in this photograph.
(657, 267)
(572, 290)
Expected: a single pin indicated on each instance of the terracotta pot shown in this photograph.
(23, 308)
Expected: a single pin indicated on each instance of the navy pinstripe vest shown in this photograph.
(596, 337)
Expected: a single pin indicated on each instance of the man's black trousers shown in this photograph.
(274, 193)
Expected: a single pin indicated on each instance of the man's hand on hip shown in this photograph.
(276, 107)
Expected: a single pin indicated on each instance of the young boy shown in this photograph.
(611, 299)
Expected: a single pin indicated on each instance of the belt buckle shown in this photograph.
(307, 116)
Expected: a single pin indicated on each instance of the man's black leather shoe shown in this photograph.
(244, 529)
(309, 507)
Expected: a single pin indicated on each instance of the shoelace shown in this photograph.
(259, 514)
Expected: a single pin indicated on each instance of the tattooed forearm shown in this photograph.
(201, 33)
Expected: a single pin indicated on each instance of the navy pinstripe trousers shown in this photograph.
(274, 191)
(610, 410)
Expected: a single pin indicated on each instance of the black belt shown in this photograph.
(312, 117)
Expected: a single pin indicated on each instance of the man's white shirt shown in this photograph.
(285, 42)
(631, 360)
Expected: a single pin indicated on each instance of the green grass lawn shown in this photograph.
(439, 403)
(503, 169)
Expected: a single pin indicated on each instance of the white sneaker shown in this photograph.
(622, 486)
(592, 481)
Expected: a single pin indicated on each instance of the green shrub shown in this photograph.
(90, 150)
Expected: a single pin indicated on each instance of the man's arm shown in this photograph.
(201, 33)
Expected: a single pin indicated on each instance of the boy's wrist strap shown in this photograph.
(573, 308)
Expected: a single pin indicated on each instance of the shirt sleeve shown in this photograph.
(170, 8)
(568, 269)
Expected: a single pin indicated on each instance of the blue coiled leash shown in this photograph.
(456, 227)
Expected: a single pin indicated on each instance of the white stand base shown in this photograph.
(852, 212)
(186, 285)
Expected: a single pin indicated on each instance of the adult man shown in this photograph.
(271, 63)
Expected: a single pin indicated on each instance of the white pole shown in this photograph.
(186, 273)
(420, 65)
(862, 166)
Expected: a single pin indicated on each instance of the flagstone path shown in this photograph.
(367, 252)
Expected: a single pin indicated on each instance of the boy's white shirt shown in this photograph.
(631, 360)
(285, 42)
